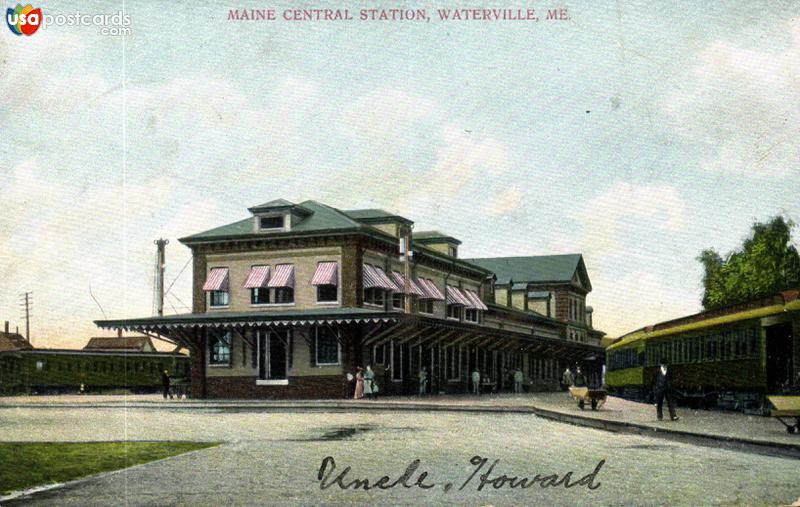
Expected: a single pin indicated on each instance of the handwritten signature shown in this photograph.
(328, 477)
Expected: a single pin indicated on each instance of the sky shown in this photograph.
(635, 134)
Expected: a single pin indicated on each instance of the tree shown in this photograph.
(766, 264)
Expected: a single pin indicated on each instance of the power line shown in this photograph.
(98, 302)
(179, 275)
(181, 302)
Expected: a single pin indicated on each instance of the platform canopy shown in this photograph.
(378, 327)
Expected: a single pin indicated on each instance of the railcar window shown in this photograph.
(736, 346)
(732, 344)
(753, 338)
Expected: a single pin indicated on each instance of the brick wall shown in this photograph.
(305, 263)
(299, 388)
(352, 283)
(198, 359)
(199, 272)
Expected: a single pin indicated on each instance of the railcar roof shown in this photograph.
(644, 335)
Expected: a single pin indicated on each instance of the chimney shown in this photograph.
(6, 327)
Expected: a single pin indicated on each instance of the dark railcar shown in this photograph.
(55, 371)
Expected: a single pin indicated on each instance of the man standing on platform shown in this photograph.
(165, 381)
(663, 389)
(476, 381)
(423, 381)
(518, 378)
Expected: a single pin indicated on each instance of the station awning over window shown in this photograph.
(375, 278)
(326, 274)
(283, 277)
(456, 297)
(399, 280)
(217, 280)
(430, 289)
(257, 277)
(475, 299)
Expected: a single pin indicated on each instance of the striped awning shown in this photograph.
(387, 282)
(283, 277)
(399, 280)
(475, 299)
(326, 274)
(375, 278)
(456, 297)
(217, 280)
(257, 277)
(430, 289)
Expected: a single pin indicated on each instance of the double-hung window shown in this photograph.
(282, 283)
(220, 349)
(327, 346)
(259, 296)
(284, 295)
(217, 286)
(219, 298)
(326, 294)
(397, 300)
(374, 296)
(326, 281)
(256, 281)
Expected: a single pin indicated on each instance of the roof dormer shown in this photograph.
(277, 216)
(390, 223)
(438, 241)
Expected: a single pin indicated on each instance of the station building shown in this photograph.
(293, 297)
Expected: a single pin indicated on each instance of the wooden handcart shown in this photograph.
(583, 395)
(787, 411)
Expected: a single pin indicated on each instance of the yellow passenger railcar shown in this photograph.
(731, 357)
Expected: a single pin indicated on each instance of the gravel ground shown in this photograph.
(273, 459)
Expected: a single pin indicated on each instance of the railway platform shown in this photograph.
(743, 432)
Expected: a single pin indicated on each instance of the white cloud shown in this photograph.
(37, 74)
(626, 233)
(505, 202)
(624, 209)
(743, 106)
(384, 115)
(624, 301)
(462, 157)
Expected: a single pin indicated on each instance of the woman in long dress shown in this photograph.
(359, 384)
(369, 378)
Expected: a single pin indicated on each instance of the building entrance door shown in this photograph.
(272, 354)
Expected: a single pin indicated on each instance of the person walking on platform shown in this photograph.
(476, 381)
(663, 389)
(165, 381)
(567, 379)
(369, 382)
(518, 378)
(580, 378)
(423, 381)
(359, 384)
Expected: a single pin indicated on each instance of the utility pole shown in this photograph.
(26, 300)
(160, 261)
